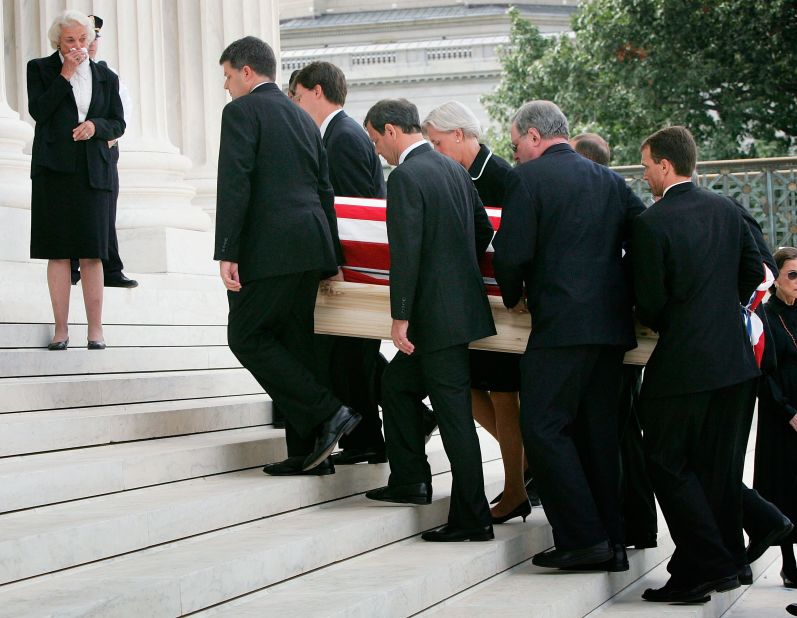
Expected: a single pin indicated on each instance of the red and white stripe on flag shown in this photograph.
(755, 327)
(363, 235)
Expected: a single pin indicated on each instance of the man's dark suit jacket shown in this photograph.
(52, 105)
(694, 262)
(436, 227)
(354, 166)
(274, 205)
(564, 225)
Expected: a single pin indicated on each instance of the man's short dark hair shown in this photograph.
(675, 144)
(292, 83)
(252, 52)
(398, 112)
(593, 147)
(328, 76)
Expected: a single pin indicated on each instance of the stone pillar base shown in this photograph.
(14, 234)
(167, 250)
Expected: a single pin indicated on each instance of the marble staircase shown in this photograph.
(130, 485)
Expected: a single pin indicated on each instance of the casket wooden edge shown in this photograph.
(363, 310)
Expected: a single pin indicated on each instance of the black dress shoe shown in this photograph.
(349, 456)
(758, 546)
(58, 345)
(333, 429)
(792, 609)
(95, 345)
(563, 558)
(447, 534)
(120, 282)
(521, 510)
(616, 564)
(293, 467)
(644, 541)
(746, 575)
(697, 593)
(414, 493)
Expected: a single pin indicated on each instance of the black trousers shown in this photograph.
(568, 416)
(443, 375)
(349, 366)
(636, 491)
(112, 267)
(695, 446)
(270, 331)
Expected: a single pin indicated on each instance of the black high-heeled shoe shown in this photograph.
(58, 345)
(95, 345)
(789, 579)
(521, 510)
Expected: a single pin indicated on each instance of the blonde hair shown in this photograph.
(452, 116)
(70, 18)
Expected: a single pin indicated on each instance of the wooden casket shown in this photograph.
(360, 305)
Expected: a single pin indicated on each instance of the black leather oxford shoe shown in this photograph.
(758, 545)
(333, 429)
(293, 467)
(563, 558)
(414, 493)
(448, 534)
(120, 282)
(690, 593)
(350, 456)
(616, 564)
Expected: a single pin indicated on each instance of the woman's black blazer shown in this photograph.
(53, 107)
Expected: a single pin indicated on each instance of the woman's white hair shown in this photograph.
(451, 116)
(70, 18)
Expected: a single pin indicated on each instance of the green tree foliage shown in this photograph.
(727, 69)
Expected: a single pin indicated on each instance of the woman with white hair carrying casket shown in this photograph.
(454, 131)
(75, 103)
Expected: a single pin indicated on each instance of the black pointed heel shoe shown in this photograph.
(95, 345)
(58, 345)
(521, 510)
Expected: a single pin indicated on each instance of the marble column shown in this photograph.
(14, 165)
(204, 29)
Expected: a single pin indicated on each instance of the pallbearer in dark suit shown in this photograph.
(436, 228)
(350, 364)
(276, 237)
(565, 223)
(694, 261)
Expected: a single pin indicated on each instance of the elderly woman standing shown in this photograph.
(75, 103)
(454, 131)
(776, 439)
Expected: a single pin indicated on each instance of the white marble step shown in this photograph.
(55, 392)
(117, 335)
(79, 360)
(629, 603)
(47, 478)
(196, 573)
(767, 597)
(48, 430)
(47, 539)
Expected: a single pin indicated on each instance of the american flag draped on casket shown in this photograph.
(360, 305)
(363, 235)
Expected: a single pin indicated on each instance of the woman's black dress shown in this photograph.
(492, 371)
(776, 441)
(71, 181)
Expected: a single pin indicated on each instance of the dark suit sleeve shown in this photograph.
(113, 125)
(327, 197)
(405, 238)
(237, 158)
(351, 166)
(481, 225)
(770, 384)
(515, 241)
(649, 274)
(758, 237)
(751, 270)
(44, 99)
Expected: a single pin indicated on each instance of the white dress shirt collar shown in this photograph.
(325, 125)
(675, 184)
(409, 149)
